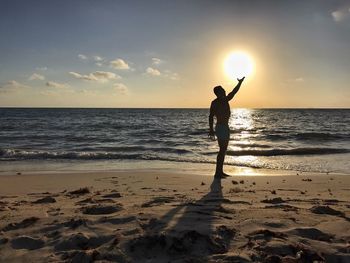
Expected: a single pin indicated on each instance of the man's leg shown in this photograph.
(221, 157)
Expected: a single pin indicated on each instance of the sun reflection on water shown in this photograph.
(241, 126)
(241, 119)
(242, 131)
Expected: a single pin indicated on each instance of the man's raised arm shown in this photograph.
(235, 90)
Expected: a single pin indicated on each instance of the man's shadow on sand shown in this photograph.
(195, 234)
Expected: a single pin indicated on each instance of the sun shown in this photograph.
(238, 64)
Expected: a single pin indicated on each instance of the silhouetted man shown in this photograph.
(221, 110)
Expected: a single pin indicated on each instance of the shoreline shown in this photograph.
(101, 166)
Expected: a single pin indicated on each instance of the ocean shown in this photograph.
(305, 140)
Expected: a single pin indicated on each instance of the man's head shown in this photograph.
(219, 92)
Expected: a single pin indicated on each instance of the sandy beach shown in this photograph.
(163, 216)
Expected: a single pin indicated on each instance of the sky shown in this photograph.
(170, 54)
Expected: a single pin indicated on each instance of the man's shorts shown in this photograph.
(222, 132)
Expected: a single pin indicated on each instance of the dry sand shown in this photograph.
(158, 216)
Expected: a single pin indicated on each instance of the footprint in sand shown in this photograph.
(112, 195)
(80, 191)
(101, 210)
(45, 200)
(23, 224)
(325, 210)
(311, 233)
(82, 241)
(158, 201)
(276, 200)
(26, 242)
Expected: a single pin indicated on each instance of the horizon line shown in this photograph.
(41, 107)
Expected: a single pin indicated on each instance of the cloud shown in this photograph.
(41, 68)
(36, 76)
(49, 93)
(98, 58)
(57, 85)
(79, 76)
(102, 76)
(166, 73)
(171, 75)
(121, 88)
(157, 61)
(82, 57)
(153, 71)
(293, 80)
(338, 15)
(341, 14)
(174, 76)
(12, 85)
(119, 64)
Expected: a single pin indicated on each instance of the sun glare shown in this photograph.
(238, 64)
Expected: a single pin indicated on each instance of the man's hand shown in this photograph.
(211, 135)
(240, 80)
(235, 90)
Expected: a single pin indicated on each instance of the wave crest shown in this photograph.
(294, 151)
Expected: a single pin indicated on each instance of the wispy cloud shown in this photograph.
(12, 85)
(82, 57)
(165, 74)
(119, 64)
(156, 61)
(153, 71)
(341, 14)
(295, 81)
(97, 58)
(36, 76)
(79, 76)
(121, 88)
(53, 84)
(171, 75)
(49, 93)
(102, 76)
(41, 68)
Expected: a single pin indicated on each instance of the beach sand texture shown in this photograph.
(157, 216)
